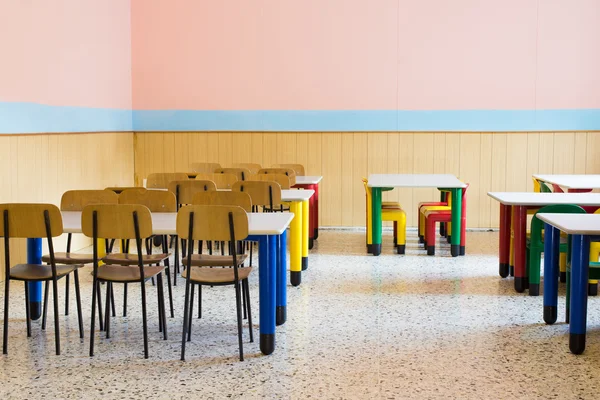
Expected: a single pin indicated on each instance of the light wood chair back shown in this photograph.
(205, 167)
(253, 167)
(161, 180)
(240, 173)
(224, 199)
(185, 190)
(76, 200)
(222, 181)
(212, 222)
(298, 168)
(266, 194)
(29, 220)
(155, 200)
(121, 189)
(283, 180)
(286, 171)
(116, 221)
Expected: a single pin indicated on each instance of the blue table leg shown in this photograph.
(34, 256)
(579, 284)
(281, 311)
(551, 255)
(267, 260)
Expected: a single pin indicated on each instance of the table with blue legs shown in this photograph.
(269, 229)
(378, 182)
(583, 228)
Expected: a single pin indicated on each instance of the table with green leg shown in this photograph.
(378, 182)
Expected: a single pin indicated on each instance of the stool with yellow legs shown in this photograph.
(390, 211)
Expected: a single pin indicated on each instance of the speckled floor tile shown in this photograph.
(359, 327)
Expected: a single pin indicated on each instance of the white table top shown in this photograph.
(308, 180)
(574, 224)
(572, 181)
(544, 199)
(165, 223)
(296, 195)
(415, 181)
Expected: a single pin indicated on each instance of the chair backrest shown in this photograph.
(205, 167)
(218, 223)
(283, 180)
(544, 188)
(286, 171)
(155, 200)
(222, 181)
(298, 168)
(222, 198)
(557, 189)
(161, 180)
(185, 190)
(537, 225)
(30, 221)
(253, 167)
(261, 193)
(76, 200)
(536, 185)
(240, 173)
(116, 221)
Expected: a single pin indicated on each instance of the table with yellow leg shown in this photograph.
(298, 239)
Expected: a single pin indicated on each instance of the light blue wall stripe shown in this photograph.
(34, 118)
(39, 118)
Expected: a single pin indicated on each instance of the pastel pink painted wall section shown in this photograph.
(365, 55)
(66, 52)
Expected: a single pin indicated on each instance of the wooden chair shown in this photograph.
(282, 179)
(298, 168)
(34, 221)
(157, 201)
(120, 189)
(222, 181)
(74, 200)
(253, 167)
(215, 223)
(205, 167)
(240, 173)
(285, 171)
(122, 221)
(161, 180)
(265, 194)
(185, 190)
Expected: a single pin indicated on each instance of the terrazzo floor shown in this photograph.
(359, 327)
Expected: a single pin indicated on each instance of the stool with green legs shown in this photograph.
(535, 243)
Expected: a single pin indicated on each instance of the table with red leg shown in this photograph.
(311, 182)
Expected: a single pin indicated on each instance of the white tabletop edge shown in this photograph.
(415, 181)
(571, 181)
(573, 224)
(542, 199)
(308, 179)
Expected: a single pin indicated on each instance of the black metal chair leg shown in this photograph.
(144, 320)
(56, 321)
(161, 310)
(45, 305)
(27, 316)
(67, 279)
(168, 273)
(78, 298)
(107, 311)
(160, 319)
(125, 299)
(112, 300)
(248, 305)
(199, 301)
(6, 296)
(189, 331)
(244, 299)
(93, 323)
(238, 304)
(186, 315)
(100, 313)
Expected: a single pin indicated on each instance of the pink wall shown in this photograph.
(365, 55)
(66, 52)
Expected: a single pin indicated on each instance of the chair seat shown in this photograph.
(121, 273)
(70, 258)
(438, 213)
(37, 272)
(390, 204)
(207, 260)
(132, 259)
(216, 275)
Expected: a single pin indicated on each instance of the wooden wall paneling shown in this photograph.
(256, 148)
(516, 173)
(348, 180)
(302, 152)
(533, 158)
(225, 154)
(211, 149)
(422, 164)
(181, 156)
(330, 197)
(286, 149)
(314, 165)
(546, 153)
(393, 164)
(592, 159)
(470, 150)
(168, 151)
(498, 180)
(139, 145)
(485, 182)
(242, 148)
(269, 149)
(359, 170)
(580, 152)
(439, 166)
(197, 152)
(406, 158)
(564, 153)
(453, 154)
(377, 157)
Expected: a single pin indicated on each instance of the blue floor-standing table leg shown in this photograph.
(281, 311)
(267, 277)
(579, 285)
(34, 256)
(551, 254)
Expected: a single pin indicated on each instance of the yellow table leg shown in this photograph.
(296, 243)
(304, 235)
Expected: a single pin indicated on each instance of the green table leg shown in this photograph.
(376, 220)
(456, 220)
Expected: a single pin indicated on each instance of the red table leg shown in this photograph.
(504, 249)
(520, 232)
(313, 217)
